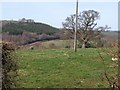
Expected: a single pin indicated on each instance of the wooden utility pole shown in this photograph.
(75, 36)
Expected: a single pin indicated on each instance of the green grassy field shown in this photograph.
(51, 44)
(55, 68)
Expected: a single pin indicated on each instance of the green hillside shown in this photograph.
(16, 27)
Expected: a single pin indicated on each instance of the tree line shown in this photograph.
(17, 28)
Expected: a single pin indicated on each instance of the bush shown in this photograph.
(68, 46)
(32, 48)
(9, 65)
(89, 45)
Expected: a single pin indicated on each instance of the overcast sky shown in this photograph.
(54, 13)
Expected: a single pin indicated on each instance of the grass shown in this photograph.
(58, 43)
(51, 44)
(55, 68)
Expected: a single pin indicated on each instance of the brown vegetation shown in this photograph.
(9, 65)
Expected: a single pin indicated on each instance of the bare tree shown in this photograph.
(86, 26)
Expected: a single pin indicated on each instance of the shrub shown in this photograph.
(32, 48)
(9, 65)
(68, 46)
(89, 45)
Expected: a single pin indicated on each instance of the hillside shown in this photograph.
(17, 27)
(110, 36)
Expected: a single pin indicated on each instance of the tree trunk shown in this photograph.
(83, 45)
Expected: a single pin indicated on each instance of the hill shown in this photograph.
(110, 36)
(110, 33)
(18, 27)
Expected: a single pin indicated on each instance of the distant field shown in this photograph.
(110, 33)
(50, 44)
(55, 68)
(110, 36)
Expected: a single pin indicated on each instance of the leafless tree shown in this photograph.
(86, 27)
